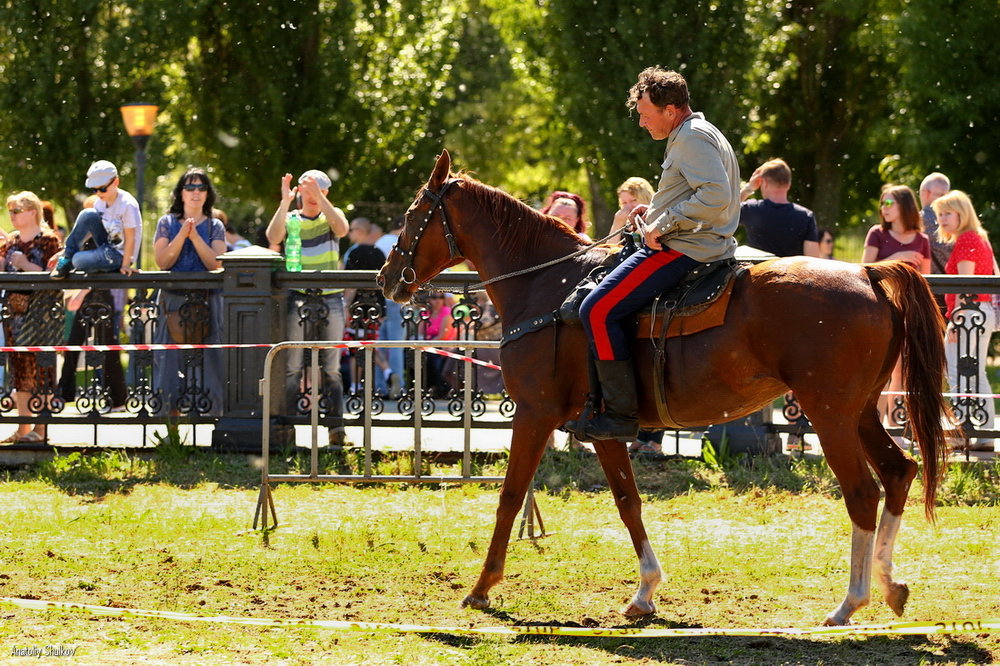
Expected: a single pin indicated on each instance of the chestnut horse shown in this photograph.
(828, 330)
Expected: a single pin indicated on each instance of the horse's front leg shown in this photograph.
(526, 448)
(621, 479)
(838, 432)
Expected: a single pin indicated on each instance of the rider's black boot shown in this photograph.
(620, 418)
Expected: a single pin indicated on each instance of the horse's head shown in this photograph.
(408, 266)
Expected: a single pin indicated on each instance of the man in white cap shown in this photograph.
(114, 223)
(311, 235)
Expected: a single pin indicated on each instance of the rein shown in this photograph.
(437, 199)
(479, 285)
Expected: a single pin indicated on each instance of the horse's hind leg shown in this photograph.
(844, 454)
(526, 448)
(896, 470)
(621, 479)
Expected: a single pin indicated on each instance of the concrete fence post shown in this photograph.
(254, 311)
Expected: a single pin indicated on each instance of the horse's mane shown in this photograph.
(520, 228)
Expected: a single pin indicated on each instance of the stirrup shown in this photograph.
(577, 426)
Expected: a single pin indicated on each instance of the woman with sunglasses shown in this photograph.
(189, 239)
(899, 236)
(27, 250)
(825, 243)
(971, 254)
(114, 223)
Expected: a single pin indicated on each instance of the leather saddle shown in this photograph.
(697, 303)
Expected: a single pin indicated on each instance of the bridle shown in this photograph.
(437, 200)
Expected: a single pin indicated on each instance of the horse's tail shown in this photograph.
(923, 366)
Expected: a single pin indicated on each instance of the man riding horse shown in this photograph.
(691, 220)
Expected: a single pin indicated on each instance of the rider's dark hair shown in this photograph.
(661, 87)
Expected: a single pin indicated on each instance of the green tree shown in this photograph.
(948, 106)
(501, 118)
(65, 69)
(819, 87)
(595, 51)
(348, 87)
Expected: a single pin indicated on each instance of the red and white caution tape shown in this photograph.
(459, 357)
(355, 344)
(107, 348)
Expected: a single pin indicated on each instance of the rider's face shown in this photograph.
(656, 120)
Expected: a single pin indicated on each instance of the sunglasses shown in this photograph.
(196, 187)
(887, 202)
(102, 189)
(16, 211)
(435, 296)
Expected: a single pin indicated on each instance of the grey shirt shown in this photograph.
(939, 251)
(696, 207)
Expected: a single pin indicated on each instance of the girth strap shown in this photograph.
(523, 328)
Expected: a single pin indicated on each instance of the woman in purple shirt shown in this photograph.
(898, 237)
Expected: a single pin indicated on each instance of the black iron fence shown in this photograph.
(251, 304)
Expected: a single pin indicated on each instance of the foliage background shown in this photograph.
(530, 96)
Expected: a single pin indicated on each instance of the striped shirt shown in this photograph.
(320, 246)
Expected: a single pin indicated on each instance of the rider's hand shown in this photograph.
(650, 236)
(636, 215)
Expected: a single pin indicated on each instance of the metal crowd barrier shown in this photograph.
(265, 501)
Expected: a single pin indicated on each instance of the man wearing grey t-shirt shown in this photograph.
(691, 220)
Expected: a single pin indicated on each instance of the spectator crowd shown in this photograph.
(936, 230)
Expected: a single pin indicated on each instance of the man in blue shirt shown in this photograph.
(773, 223)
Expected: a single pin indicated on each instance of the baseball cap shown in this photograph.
(100, 173)
(321, 178)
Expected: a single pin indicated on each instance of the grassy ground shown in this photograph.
(764, 545)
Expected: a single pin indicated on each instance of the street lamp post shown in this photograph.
(140, 118)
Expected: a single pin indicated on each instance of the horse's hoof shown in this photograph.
(639, 609)
(478, 603)
(832, 621)
(896, 597)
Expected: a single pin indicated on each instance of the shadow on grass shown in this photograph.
(883, 650)
(666, 477)
(175, 463)
(745, 649)
(115, 472)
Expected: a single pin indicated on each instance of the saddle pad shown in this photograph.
(687, 321)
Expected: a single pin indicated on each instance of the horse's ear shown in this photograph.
(441, 170)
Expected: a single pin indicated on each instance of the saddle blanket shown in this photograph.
(690, 320)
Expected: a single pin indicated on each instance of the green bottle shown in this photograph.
(293, 242)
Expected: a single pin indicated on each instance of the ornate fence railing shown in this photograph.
(252, 304)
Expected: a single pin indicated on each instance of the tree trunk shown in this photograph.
(827, 186)
(600, 216)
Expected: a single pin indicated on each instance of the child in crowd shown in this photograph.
(114, 223)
